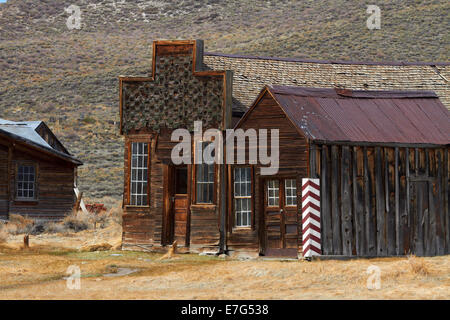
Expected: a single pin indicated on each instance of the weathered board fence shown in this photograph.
(383, 200)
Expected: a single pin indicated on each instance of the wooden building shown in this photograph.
(164, 202)
(37, 173)
(381, 156)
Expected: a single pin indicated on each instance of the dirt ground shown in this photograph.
(40, 273)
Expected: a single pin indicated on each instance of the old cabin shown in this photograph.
(381, 156)
(37, 173)
(382, 161)
(164, 202)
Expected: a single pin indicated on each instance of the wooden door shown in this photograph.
(180, 204)
(280, 217)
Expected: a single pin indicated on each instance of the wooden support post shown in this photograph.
(26, 241)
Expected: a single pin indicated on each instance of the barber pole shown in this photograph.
(311, 217)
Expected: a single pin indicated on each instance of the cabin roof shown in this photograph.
(25, 132)
(251, 73)
(339, 115)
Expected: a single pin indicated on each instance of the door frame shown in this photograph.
(262, 212)
(168, 208)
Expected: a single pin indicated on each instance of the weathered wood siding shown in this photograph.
(55, 183)
(149, 226)
(143, 225)
(3, 182)
(293, 163)
(55, 179)
(383, 201)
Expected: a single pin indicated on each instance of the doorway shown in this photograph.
(280, 217)
(179, 204)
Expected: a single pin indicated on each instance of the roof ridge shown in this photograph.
(350, 93)
(304, 60)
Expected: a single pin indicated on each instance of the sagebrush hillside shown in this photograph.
(68, 78)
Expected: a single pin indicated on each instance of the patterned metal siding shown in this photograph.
(175, 99)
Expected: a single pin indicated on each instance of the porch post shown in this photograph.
(311, 217)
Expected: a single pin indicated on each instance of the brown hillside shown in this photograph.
(69, 77)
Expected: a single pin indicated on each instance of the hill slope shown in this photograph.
(69, 77)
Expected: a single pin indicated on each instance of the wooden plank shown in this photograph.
(391, 219)
(335, 208)
(420, 189)
(446, 196)
(439, 209)
(368, 205)
(380, 204)
(398, 235)
(403, 202)
(357, 200)
(325, 206)
(346, 204)
(312, 161)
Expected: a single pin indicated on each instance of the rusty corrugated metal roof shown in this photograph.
(413, 117)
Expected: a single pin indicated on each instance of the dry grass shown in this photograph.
(418, 265)
(38, 274)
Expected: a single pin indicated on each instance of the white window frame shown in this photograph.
(290, 196)
(200, 182)
(26, 180)
(276, 192)
(240, 198)
(139, 174)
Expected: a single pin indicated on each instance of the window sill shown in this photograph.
(242, 229)
(129, 206)
(204, 205)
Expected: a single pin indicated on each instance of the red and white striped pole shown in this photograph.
(311, 217)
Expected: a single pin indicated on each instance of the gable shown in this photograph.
(178, 93)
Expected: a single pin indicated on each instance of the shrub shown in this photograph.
(3, 235)
(75, 224)
(19, 224)
(38, 228)
(53, 227)
(418, 265)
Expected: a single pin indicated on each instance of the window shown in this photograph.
(290, 186)
(273, 193)
(243, 196)
(139, 174)
(181, 178)
(26, 182)
(205, 174)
